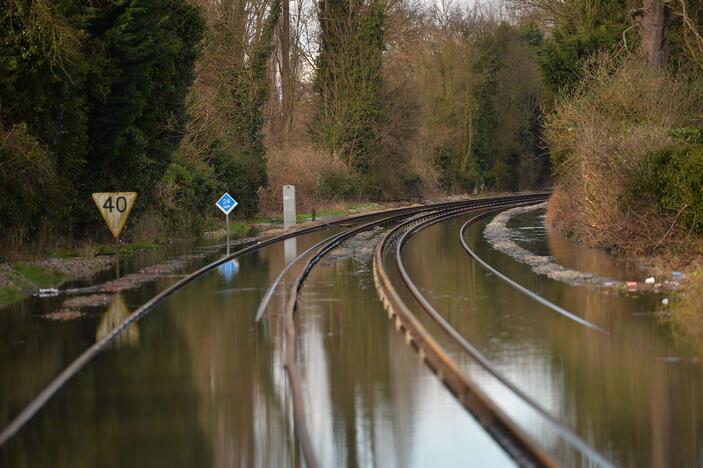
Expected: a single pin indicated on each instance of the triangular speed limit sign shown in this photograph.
(115, 208)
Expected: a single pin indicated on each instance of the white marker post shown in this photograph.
(226, 204)
(288, 206)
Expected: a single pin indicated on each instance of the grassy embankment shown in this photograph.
(20, 279)
(29, 272)
(25, 276)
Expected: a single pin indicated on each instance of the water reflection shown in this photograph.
(229, 270)
(290, 249)
(202, 386)
(371, 401)
(34, 350)
(116, 313)
(616, 392)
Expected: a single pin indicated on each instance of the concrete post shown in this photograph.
(288, 206)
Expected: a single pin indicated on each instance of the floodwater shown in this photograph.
(633, 394)
(34, 348)
(197, 383)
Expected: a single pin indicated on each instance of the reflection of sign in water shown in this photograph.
(114, 316)
(229, 270)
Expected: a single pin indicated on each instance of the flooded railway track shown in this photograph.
(526, 291)
(84, 358)
(90, 353)
(523, 450)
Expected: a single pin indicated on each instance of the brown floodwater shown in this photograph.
(197, 383)
(633, 395)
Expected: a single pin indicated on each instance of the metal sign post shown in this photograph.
(226, 204)
(115, 208)
(228, 228)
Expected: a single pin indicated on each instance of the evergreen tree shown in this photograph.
(92, 94)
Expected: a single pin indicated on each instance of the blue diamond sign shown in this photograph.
(226, 203)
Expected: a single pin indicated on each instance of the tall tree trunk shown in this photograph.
(286, 78)
(653, 26)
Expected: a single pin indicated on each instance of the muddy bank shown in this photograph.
(22, 279)
(505, 240)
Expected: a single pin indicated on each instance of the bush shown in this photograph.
(599, 140)
(241, 175)
(562, 56)
(27, 174)
(412, 184)
(186, 191)
(306, 168)
(674, 177)
(687, 135)
(339, 185)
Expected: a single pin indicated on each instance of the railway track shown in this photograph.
(520, 447)
(321, 249)
(531, 294)
(524, 451)
(84, 358)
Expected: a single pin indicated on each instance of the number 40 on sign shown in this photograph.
(115, 208)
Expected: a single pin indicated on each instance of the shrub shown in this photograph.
(562, 55)
(412, 184)
(599, 139)
(305, 167)
(186, 191)
(27, 173)
(674, 177)
(338, 185)
(687, 135)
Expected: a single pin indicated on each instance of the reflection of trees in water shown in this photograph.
(237, 374)
(614, 391)
(129, 407)
(371, 409)
(34, 350)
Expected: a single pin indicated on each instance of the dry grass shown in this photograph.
(599, 139)
(88, 249)
(303, 167)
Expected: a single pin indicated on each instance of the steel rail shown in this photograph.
(567, 433)
(531, 294)
(397, 214)
(263, 304)
(512, 439)
(325, 246)
(290, 362)
(84, 358)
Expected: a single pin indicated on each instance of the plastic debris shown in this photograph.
(677, 275)
(649, 280)
(48, 292)
(665, 301)
(632, 285)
